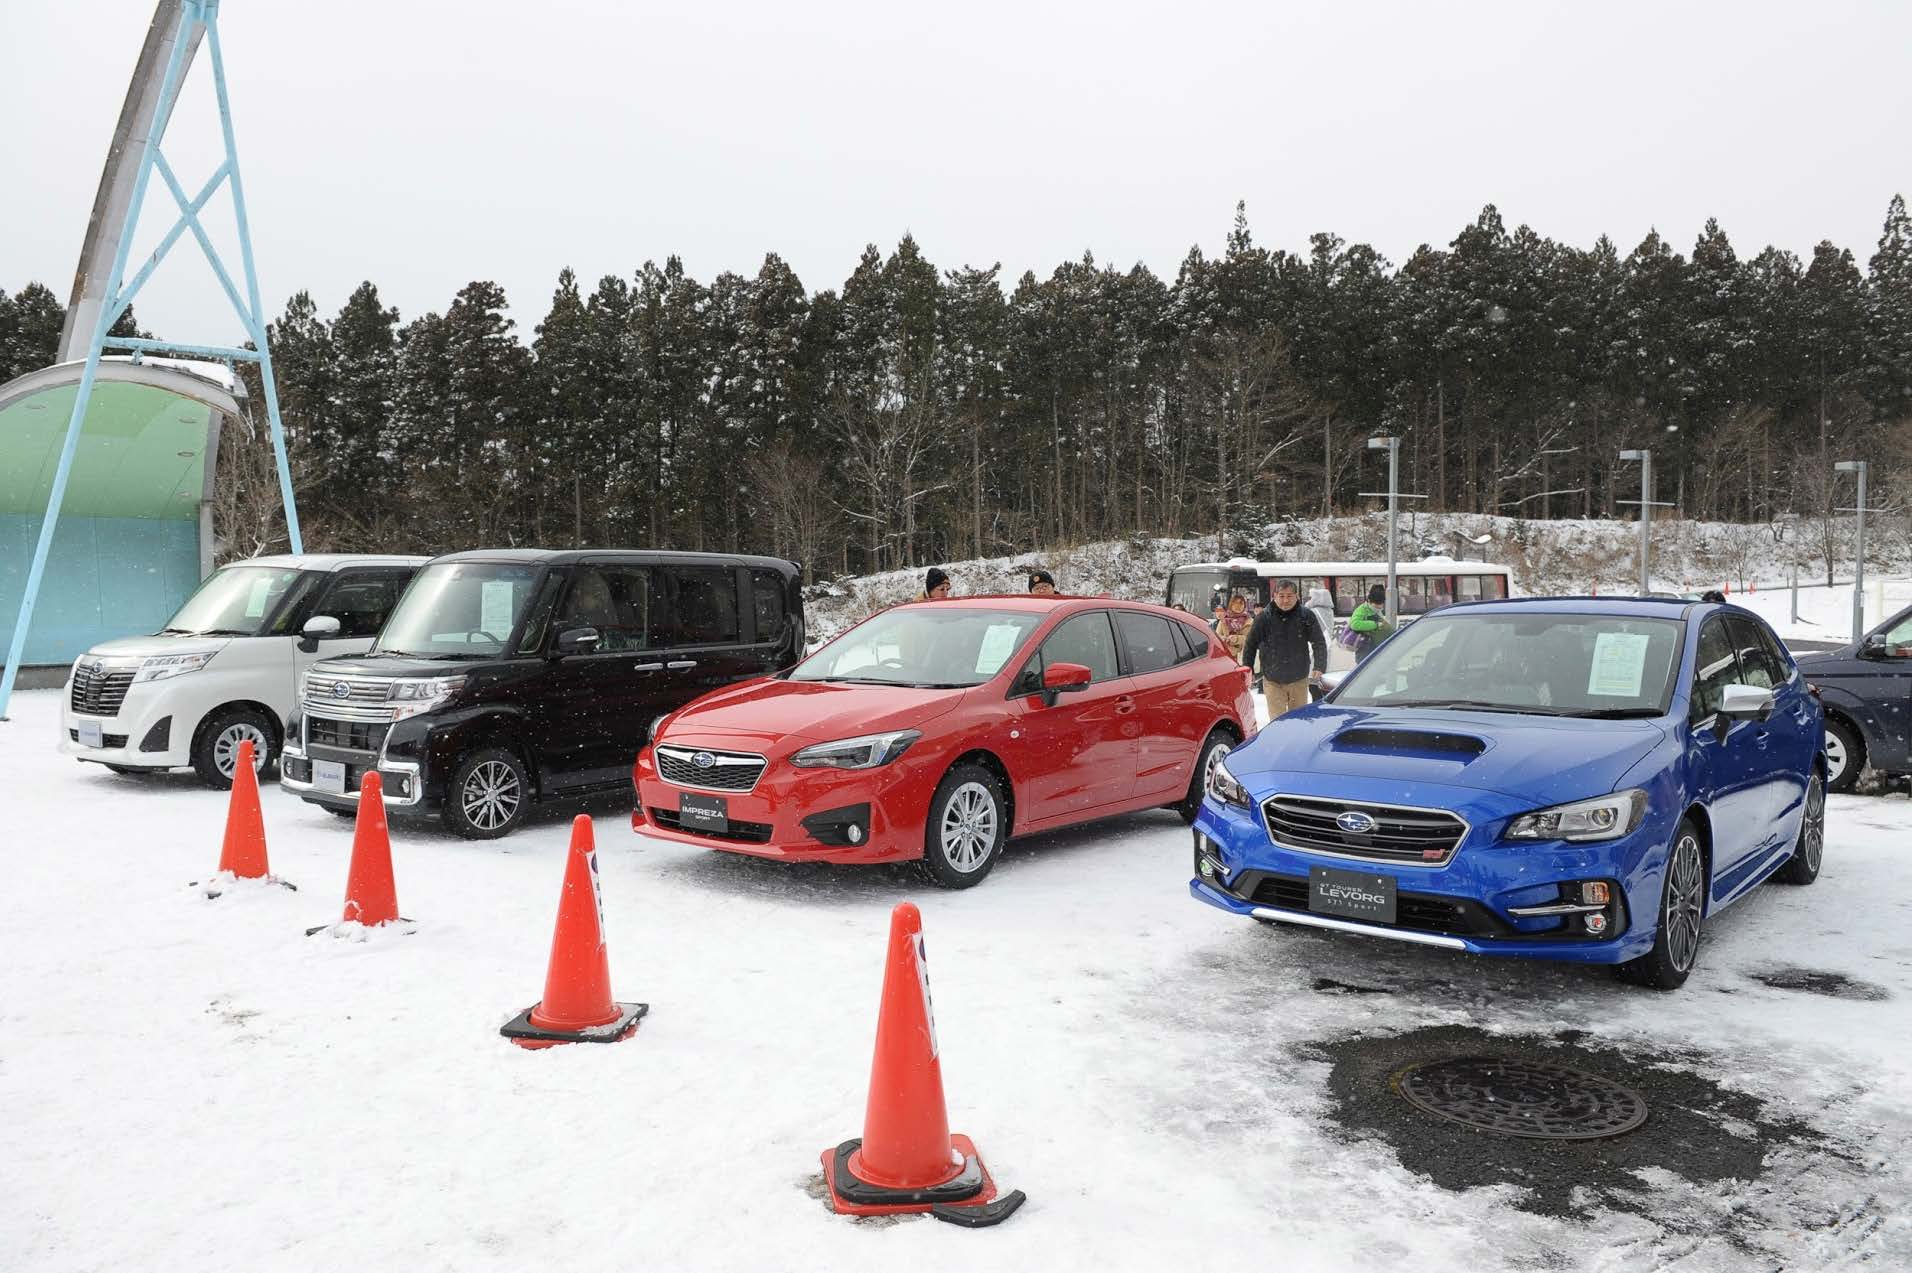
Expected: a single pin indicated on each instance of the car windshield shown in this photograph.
(237, 601)
(459, 610)
(1546, 664)
(924, 646)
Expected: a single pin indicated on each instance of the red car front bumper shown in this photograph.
(768, 821)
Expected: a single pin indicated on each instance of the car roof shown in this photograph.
(329, 561)
(1047, 605)
(645, 556)
(1625, 606)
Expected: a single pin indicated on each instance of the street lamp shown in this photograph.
(1392, 445)
(1859, 549)
(1646, 511)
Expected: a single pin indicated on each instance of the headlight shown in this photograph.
(1223, 786)
(414, 696)
(867, 752)
(170, 665)
(1601, 818)
(657, 727)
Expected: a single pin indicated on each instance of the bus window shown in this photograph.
(1197, 591)
(1350, 591)
(1496, 587)
(1413, 599)
(1480, 587)
(1440, 591)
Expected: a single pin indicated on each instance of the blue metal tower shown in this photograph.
(115, 218)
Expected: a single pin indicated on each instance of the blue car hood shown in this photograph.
(1537, 757)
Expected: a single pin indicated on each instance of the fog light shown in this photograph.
(853, 833)
(1596, 924)
(1595, 893)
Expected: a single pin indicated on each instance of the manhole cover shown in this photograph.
(1522, 1098)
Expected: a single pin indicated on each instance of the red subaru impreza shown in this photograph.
(938, 730)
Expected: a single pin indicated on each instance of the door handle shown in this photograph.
(1126, 703)
(681, 665)
(648, 667)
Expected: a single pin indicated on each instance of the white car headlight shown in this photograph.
(415, 695)
(1601, 818)
(657, 726)
(1225, 787)
(866, 752)
(161, 667)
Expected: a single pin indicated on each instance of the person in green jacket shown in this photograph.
(1369, 623)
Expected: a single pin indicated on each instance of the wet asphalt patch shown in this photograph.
(1834, 985)
(1708, 1162)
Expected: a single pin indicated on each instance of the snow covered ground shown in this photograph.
(196, 1084)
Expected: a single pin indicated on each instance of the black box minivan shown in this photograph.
(510, 676)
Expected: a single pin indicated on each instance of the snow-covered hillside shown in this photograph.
(1552, 557)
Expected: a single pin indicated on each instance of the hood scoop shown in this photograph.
(1412, 742)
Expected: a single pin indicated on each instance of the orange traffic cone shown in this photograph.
(907, 1160)
(577, 1006)
(244, 850)
(370, 896)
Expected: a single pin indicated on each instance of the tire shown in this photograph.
(967, 827)
(1845, 756)
(1681, 917)
(1809, 851)
(215, 748)
(1214, 747)
(488, 796)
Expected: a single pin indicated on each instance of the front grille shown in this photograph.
(347, 735)
(1420, 911)
(745, 832)
(1403, 836)
(363, 698)
(98, 691)
(106, 740)
(726, 770)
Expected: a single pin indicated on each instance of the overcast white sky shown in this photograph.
(423, 144)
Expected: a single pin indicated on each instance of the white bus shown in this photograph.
(1426, 584)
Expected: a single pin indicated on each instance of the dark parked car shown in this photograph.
(1867, 690)
(510, 676)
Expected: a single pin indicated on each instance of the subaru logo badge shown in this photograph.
(704, 760)
(341, 690)
(1354, 822)
(96, 667)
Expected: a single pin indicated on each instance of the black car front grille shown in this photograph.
(724, 770)
(1417, 837)
(346, 735)
(743, 832)
(98, 692)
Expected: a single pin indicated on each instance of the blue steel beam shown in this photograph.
(196, 16)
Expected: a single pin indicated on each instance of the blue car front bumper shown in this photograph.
(1471, 901)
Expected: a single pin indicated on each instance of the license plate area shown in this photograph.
(92, 733)
(703, 813)
(1351, 894)
(329, 776)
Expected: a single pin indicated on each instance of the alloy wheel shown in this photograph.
(491, 795)
(1836, 757)
(225, 748)
(969, 827)
(1685, 890)
(1814, 832)
(1216, 755)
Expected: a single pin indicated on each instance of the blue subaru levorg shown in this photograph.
(1585, 779)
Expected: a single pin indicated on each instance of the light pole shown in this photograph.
(1646, 511)
(1479, 541)
(1858, 549)
(1392, 445)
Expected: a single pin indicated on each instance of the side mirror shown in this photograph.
(579, 640)
(320, 627)
(1060, 678)
(1873, 647)
(1745, 702)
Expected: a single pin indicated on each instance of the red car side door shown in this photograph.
(1078, 754)
(1166, 729)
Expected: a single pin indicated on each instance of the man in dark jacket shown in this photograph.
(1287, 638)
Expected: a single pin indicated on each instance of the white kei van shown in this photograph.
(226, 668)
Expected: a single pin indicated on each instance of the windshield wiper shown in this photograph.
(222, 632)
(1618, 713)
(1466, 705)
(853, 680)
